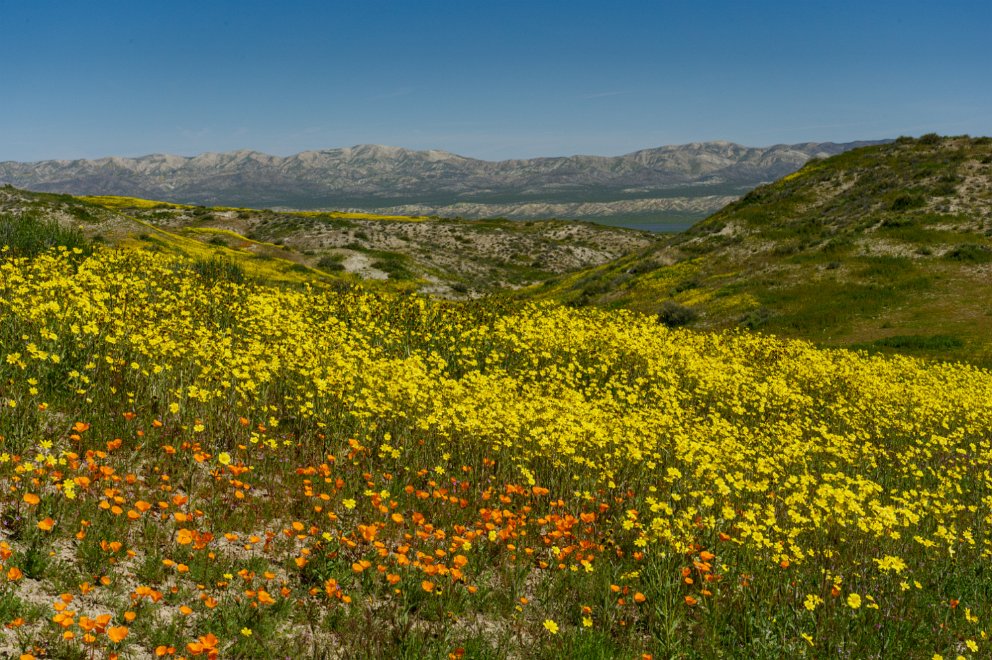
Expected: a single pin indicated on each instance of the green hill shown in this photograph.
(448, 257)
(885, 247)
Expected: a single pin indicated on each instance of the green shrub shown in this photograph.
(675, 315)
(393, 264)
(330, 264)
(898, 221)
(27, 235)
(755, 318)
(905, 202)
(218, 268)
(687, 284)
(970, 252)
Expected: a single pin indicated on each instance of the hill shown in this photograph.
(452, 258)
(678, 183)
(885, 247)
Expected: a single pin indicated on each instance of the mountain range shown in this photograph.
(689, 180)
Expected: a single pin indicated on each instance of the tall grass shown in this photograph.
(28, 235)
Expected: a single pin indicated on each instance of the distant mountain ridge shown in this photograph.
(377, 177)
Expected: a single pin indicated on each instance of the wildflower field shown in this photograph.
(196, 466)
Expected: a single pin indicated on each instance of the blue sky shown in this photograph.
(485, 79)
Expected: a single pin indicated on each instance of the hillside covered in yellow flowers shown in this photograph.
(198, 464)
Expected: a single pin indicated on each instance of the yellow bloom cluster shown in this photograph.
(778, 440)
(682, 467)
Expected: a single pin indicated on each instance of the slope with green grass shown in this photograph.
(449, 257)
(885, 247)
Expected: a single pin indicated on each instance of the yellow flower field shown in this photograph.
(192, 466)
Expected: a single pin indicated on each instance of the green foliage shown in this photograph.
(396, 265)
(906, 202)
(675, 315)
(216, 269)
(35, 560)
(970, 253)
(299, 268)
(920, 342)
(28, 235)
(755, 318)
(330, 263)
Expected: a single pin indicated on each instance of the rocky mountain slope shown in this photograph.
(886, 247)
(692, 179)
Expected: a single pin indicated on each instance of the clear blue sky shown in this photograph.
(486, 79)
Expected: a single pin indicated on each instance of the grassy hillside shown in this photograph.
(197, 466)
(884, 247)
(448, 257)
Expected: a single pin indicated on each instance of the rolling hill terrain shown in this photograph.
(885, 247)
(452, 258)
